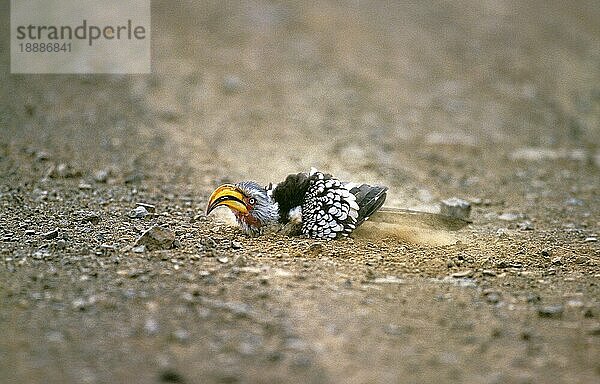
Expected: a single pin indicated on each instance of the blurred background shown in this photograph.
(429, 97)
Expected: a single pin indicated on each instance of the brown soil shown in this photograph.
(496, 102)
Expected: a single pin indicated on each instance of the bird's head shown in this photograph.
(253, 208)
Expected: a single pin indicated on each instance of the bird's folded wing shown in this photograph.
(411, 226)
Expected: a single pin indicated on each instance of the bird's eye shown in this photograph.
(252, 201)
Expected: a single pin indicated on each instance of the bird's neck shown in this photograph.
(247, 219)
(255, 222)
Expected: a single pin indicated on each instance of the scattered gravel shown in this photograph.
(105, 308)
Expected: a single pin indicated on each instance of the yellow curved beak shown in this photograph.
(228, 195)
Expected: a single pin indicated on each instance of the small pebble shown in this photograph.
(53, 234)
(223, 259)
(42, 155)
(526, 335)
(79, 304)
(573, 202)
(39, 254)
(208, 243)
(156, 238)
(388, 280)
(85, 186)
(502, 233)
(274, 356)
(55, 337)
(236, 245)
(533, 298)
(515, 265)
(196, 218)
(588, 313)
(455, 207)
(315, 249)
(492, 297)
(240, 261)
(551, 311)
(510, 216)
(575, 303)
(139, 249)
(171, 376)
(138, 212)
(557, 260)
(181, 336)
(460, 274)
(91, 217)
(591, 239)
(63, 170)
(101, 176)
(61, 244)
(8, 236)
(149, 207)
(240, 310)
(393, 329)
(151, 326)
(29, 232)
(526, 226)
(129, 293)
(232, 84)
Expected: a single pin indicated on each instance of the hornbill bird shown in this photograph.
(318, 206)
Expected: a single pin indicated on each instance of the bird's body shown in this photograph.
(314, 205)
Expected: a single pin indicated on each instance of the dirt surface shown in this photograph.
(495, 102)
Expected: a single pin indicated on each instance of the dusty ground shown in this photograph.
(495, 102)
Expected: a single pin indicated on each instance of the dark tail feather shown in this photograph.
(369, 199)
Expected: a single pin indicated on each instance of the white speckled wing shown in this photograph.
(329, 209)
